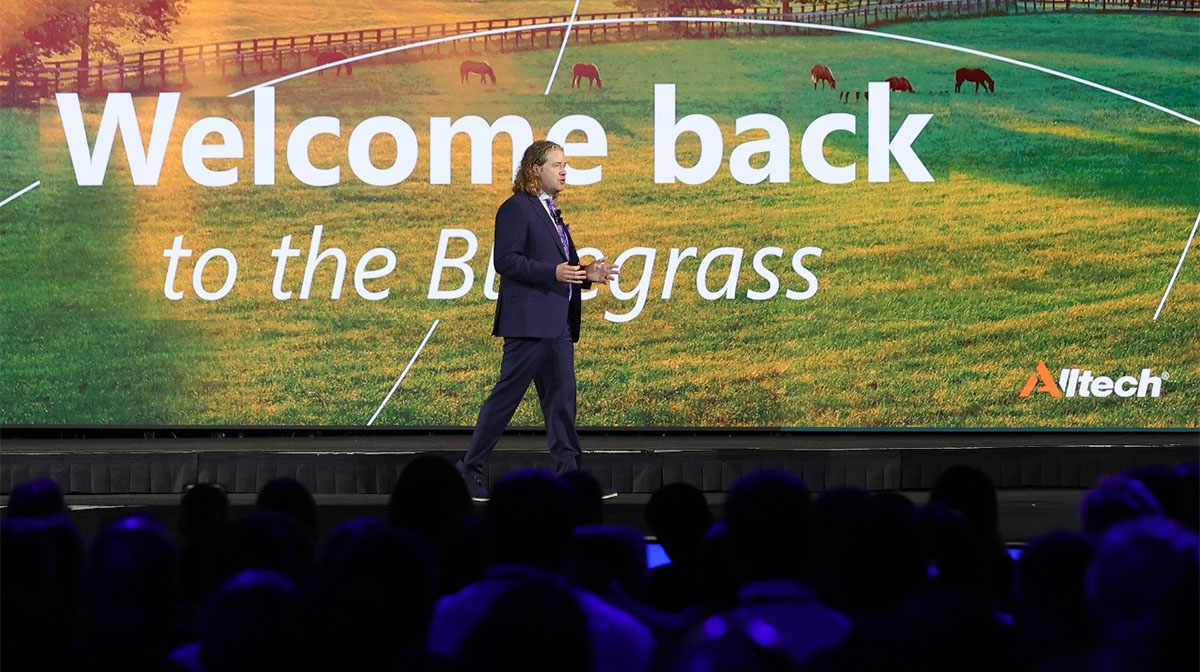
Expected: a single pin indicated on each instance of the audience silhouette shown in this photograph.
(849, 580)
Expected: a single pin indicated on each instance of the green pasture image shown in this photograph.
(1056, 217)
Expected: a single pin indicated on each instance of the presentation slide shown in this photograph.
(837, 215)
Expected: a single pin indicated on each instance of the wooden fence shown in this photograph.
(175, 67)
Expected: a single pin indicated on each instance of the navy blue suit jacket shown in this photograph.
(532, 303)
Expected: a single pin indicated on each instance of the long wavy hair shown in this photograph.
(527, 180)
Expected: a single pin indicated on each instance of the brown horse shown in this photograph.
(973, 75)
(821, 73)
(481, 68)
(326, 57)
(899, 84)
(588, 70)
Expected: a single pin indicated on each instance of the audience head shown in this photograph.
(371, 597)
(247, 624)
(41, 577)
(132, 569)
(1050, 576)
(729, 643)
(587, 503)
(1168, 488)
(129, 596)
(202, 511)
(28, 559)
(970, 492)
(837, 513)
(429, 498)
(1189, 474)
(605, 557)
(36, 499)
(528, 521)
(1051, 607)
(716, 576)
(767, 513)
(954, 548)
(386, 573)
(947, 631)
(534, 626)
(1144, 584)
(871, 556)
(261, 540)
(67, 543)
(287, 495)
(1115, 499)
(679, 516)
(461, 555)
(29, 617)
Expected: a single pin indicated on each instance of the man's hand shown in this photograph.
(567, 272)
(599, 271)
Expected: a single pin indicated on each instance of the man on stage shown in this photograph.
(537, 313)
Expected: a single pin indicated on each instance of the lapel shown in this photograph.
(549, 225)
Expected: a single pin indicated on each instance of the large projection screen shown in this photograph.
(259, 247)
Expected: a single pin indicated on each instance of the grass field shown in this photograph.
(1056, 219)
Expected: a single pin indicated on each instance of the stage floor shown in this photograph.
(634, 463)
(1040, 476)
(1024, 514)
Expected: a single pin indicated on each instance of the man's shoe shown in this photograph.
(607, 493)
(475, 484)
(477, 487)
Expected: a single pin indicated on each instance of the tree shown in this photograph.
(38, 29)
(680, 7)
(31, 31)
(103, 23)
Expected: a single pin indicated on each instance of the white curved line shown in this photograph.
(717, 19)
(561, 49)
(1177, 267)
(20, 193)
(403, 373)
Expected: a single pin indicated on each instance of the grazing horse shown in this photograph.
(899, 84)
(821, 73)
(482, 68)
(326, 57)
(973, 75)
(588, 70)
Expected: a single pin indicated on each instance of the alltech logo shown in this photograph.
(1081, 383)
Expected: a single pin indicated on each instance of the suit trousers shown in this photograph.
(550, 364)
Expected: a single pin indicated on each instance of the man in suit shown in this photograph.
(537, 313)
